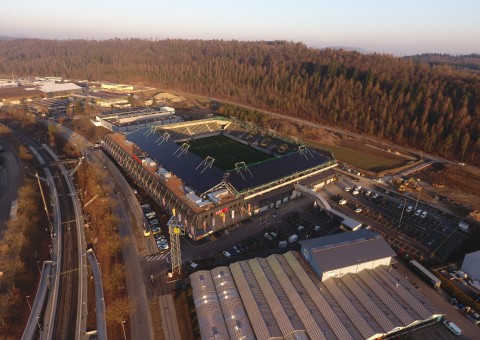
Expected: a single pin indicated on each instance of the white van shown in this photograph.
(452, 327)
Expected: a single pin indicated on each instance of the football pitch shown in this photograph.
(226, 152)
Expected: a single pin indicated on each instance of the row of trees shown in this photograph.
(102, 233)
(18, 271)
(434, 108)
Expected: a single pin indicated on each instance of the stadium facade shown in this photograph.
(216, 172)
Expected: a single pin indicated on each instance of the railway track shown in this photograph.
(66, 308)
(64, 319)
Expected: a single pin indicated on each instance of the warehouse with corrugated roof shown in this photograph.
(281, 297)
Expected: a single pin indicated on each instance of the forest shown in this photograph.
(431, 106)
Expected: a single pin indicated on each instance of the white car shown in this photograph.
(342, 202)
(368, 193)
(300, 227)
(227, 254)
(358, 187)
(409, 209)
(316, 228)
(355, 192)
(358, 210)
(423, 214)
(375, 196)
(347, 189)
(418, 212)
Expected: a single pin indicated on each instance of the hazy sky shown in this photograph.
(392, 26)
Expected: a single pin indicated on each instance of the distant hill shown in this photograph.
(461, 62)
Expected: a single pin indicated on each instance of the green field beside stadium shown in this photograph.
(226, 151)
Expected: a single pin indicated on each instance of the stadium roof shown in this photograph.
(347, 249)
(275, 168)
(185, 165)
(280, 295)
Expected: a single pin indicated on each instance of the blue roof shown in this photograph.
(275, 168)
(183, 166)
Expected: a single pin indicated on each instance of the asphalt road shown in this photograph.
(140, 319)
(10, 180)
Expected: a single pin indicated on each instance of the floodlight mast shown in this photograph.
(175, 229)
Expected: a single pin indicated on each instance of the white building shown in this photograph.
(471, 264)
(351, 252)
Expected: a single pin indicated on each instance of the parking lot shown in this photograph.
(408, 222)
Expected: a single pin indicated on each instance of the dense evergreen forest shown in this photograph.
(435, 108)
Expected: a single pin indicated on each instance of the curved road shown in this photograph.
(10, 180)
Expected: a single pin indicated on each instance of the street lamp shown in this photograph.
(28, 302)
(123, 327)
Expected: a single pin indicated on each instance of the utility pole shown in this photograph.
(175, 229)
(403, 209)
(418, 197)
(43, 197)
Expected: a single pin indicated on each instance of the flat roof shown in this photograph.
(55, 87)
(347, 249)
(280, 295)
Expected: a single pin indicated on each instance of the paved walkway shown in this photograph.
(169, 319)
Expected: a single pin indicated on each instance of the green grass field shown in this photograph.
(362, 157)
(226, 151)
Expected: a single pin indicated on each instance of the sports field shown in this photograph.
(226, 151)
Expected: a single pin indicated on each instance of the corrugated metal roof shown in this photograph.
(236, 318)
(282, 297)
(209, 313)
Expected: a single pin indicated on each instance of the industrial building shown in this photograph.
(48, 106)
(331, 256)
(126, 120)
(281, 297)
(116, 87)
(471, 264)
(211, 186)
(52, 89)
(16, 95)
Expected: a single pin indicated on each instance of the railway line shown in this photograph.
(64, 317)
(66, 307)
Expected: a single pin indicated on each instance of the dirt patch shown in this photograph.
(457, 184)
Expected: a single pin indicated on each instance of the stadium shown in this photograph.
(216, 172)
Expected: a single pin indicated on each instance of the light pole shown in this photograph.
(39, 328)
(123, 327)
(28, 302)
(418, 197)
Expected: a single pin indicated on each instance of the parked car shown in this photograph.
(347, 189)
(418, 212)
(237, 250)
(227, 254)
(342, 202)
(367, 193)
(358, 210)
(423, 214)
(375, 196)
(300, 227)
(409, 209)
(316, 228)
(355, 192)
